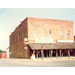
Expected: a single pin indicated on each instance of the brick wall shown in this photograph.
(74, 38)
(16, 46)
(27, 27)
(50, 24)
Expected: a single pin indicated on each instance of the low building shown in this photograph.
(45, 37)
(3, 55)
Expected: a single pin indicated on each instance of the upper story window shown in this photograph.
(68, 34)
(50, 34)
(42, 32)
(18, 37)
(35, 33)
(15, 39)
(11, 41)
(61, 34)
(22, 35)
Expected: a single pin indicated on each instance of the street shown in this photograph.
(22, 63)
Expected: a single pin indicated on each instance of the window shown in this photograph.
(68, 34)
(35, 33)
(22, 35)
(42, 32)
(61, 34)
(11, 41)
(50, 34)
(18, 37)
(15, 39)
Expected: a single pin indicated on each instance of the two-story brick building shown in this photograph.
(56, 37)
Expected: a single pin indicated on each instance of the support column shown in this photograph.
(69, 54)
(34, 52)
(60, 53)
(56, 53)
(51, 53)
(37, 53)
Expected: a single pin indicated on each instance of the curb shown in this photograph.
(44, 60)
(47, 60)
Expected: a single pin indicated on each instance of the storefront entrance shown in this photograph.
(54, 53)
(47, 53)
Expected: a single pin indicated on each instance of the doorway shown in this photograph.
(54, 53)
(71, 52)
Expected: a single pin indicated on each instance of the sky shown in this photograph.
(11, 17)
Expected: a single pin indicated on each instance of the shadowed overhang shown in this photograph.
(37, 46)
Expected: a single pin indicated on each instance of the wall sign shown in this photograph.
(43, 40)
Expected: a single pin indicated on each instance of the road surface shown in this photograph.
(21, 63)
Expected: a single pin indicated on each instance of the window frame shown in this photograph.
(35, 33)
(68, 34)
(61, 33)
(43, 33)
(50, 34)
(18, 37)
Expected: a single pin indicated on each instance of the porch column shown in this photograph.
(37, 53)
(60, 53)
(69, 54)
(46, 53)
(33, 51)
(56, 53)
(51, 53)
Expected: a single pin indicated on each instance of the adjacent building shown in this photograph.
(48, 36)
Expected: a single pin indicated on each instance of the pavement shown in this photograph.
(47, 62)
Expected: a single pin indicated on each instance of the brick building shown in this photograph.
(56, 37)
(74, 38)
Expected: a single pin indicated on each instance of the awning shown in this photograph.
(37, 46)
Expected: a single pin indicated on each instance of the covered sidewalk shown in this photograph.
(52, 49)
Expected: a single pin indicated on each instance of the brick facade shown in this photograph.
(50, 24)
(16, 44)
(26, 30)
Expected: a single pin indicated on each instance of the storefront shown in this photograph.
(50, 51)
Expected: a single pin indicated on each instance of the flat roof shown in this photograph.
(48, 19)
(41, 19)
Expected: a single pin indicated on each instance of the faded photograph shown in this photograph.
(37, 37)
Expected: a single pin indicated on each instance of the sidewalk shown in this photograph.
(47, 59)
(55, 59)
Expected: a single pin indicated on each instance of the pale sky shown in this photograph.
(10, 18)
